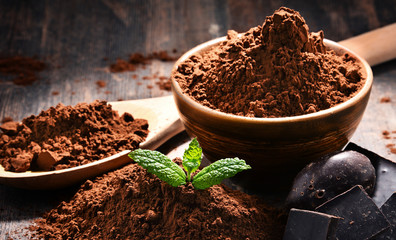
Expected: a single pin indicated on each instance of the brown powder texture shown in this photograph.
(101, 83)
(138, 59)
(130, 203)
(122, 66)
(390, 135)
(385, 100)
(162, 55)
(386, 134)
(164, 83)
(278, 69)
(24, 69)
(66, 136)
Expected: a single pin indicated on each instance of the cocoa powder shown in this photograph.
(385, 100)
(25, 69)
(164, 83)
(122, 66)
(66, 136)
(278, 69)
(101, 83)
(138, 59)
(130, 203)
(390, 136)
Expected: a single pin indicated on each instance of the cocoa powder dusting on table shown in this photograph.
(130, 203)
(390, 136)
(101, 83)
(278, 69)
(385, 100)
(66, 136)
(164, 83)
(25, 69)
(137, 59)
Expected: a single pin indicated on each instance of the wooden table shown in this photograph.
(74, 37)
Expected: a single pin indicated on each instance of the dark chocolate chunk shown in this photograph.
(333, 174)
(310, 225)
(389, 210)
(385, 171)
(360, 217)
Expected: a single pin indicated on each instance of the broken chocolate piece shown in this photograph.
(385, 171)
(389, 210)
(310, 225)
(45, 160)
(361, 218)
(333, 174)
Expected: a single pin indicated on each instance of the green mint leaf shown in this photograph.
(192, 158)
(160, 165)
(218, 171)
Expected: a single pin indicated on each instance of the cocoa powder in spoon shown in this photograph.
(67, 136)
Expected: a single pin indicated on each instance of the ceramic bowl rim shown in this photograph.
(256, 120)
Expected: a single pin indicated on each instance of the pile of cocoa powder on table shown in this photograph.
(130, 203)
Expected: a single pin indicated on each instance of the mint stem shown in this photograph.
(189, 176)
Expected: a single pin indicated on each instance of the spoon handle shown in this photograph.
(161, 137)
(377, 46)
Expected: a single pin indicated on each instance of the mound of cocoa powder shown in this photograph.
(278, 69)
(25, 69)
(67, 136)
(130, 203)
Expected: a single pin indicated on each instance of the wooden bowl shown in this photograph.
(276, 148)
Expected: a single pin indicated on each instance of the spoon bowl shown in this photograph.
(276, 148)
(163, 121)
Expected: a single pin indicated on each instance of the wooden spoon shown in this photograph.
(377, 46)
(164, 123)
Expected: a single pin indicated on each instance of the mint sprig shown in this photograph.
(168, 171)
(160, 165)
(192, 158)
(218, 171)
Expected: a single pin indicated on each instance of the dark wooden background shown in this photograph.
(73, 38)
